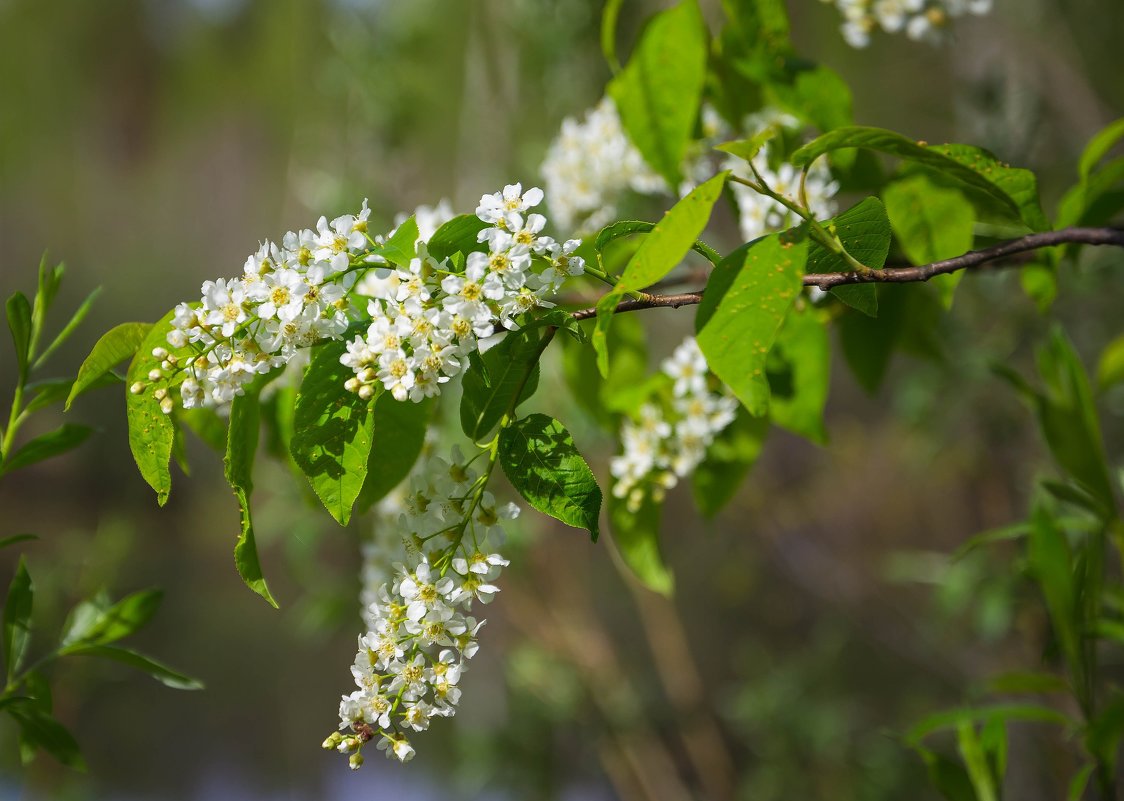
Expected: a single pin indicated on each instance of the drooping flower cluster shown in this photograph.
(424, 319)
(589, 167)
(920, 20)
(668, 441)
(421, 630)
(428, 317)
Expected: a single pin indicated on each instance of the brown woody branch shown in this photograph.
(905, 275)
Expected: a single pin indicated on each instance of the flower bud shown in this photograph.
(352, 384)
(159, 353)
(368, 375)
(366, 392)
(161, 394)
(331, 741)
(166, 364)
(166, 405)
(355, 761)
(155, 375)
(138, 387)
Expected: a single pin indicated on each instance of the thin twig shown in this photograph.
(905, 275)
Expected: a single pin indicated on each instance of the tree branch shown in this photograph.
(906, 275)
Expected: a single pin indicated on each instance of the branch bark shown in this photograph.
(905, 275)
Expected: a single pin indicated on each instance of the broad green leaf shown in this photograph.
(1079, 782)
(728, 459)
(161, 672)
(637, 537)
(1050, 564)
(1068, 418)
(611, 233)
(540, 460)
(492, 380)
(151, 432)
(747, 149)
(1014, 189)
(609, 16)
(869, 342)
(332, 432)
(17, 619)
(114, 346)
(816, 94)
(746, 301)
(41, 731)
(864, 230)
(94, 623)
(399, 247)
(19, 323)
(799, 371)
(670, 239)
(953, 718)
(64, 438)
(1019, 682)
(1099, 147)
(658, 91)
(932, 223)
(71, 326)
(458, 235)
(241, 447)
(398, 439)
(1110, 368)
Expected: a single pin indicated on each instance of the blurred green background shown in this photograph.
(151, 143)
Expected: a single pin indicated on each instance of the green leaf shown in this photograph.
(1110, 368)
(15, 539)
(1105, 730)
(458, 235)
(41, 731)
(747, 299)
(151, 432)
(609, 16)
(1019, 682)
(1014, 189)
(62, 439)
(816, 94)
(162, 673)
(869, 343)
(611, 233)
(492, 379)
(658, 91)
(1068, 418)
(1079, 782)
(398, 439)
(747, 149)
(975, 761)
(332, 432)
(540, 460)
(17, 619)
(400, 248)
(114, 346)
(728, 459)
(241, 448)
(637, 537)
(96, 623)
(69, 328)
(953, 718)
(1099, 147)
(19, 323)
(932, 223)
(949, 777)
(50, 280)
(799, 372)
(864, 230)
(1050, 564)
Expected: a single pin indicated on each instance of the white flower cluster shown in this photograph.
(421, 632)
(590, 165)
(661, 448)
(426, 318)
(921, 20)
(760, 214)
(289, 297)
